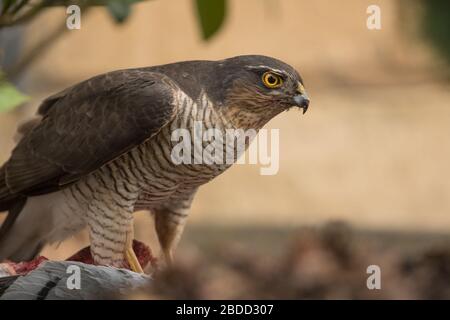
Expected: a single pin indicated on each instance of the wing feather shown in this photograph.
(88, 125)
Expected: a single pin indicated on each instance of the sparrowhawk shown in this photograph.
(101, 150)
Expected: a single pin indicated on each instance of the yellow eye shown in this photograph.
(272, 80)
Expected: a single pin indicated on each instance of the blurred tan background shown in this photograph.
(373, 150)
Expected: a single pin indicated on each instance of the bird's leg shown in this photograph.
(170, 220)
(130, 255)
(111, 235)
(169, 226)
(114, 247)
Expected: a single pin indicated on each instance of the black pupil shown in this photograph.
(272, 80)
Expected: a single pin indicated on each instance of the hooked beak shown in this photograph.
(301, 99)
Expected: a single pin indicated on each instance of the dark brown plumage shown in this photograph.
(86, 126)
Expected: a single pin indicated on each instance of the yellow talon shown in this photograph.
(133, 260)
(130, 255)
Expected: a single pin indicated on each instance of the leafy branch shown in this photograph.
(210, 15)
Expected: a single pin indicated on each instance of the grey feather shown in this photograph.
(49, 282)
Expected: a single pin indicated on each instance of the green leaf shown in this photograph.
(10, 97)
(211, 15)
(119, 10)
(5, 5)
(436, 26)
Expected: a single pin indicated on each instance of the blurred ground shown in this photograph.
(308, 263)
(372, 151)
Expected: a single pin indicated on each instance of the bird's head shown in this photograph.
(261, 85)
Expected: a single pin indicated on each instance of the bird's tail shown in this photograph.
(7, 199)
(20, 236)
(19, 240)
